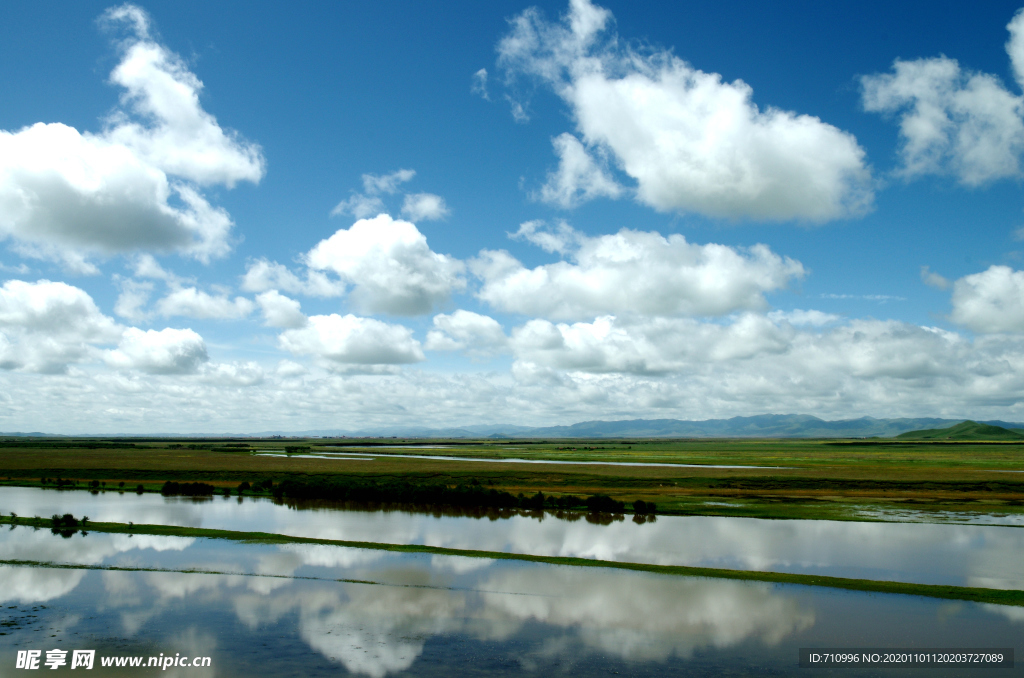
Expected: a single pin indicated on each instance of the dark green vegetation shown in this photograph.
(967, 430)
(834, 479)
(172, 488)
(394, 490)
(973, 594)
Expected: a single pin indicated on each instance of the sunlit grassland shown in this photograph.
(791, 479)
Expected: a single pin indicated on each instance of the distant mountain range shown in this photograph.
(761, 426)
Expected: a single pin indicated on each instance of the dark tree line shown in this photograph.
(342, 488)
(172, 488)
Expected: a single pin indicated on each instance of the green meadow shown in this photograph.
(931, 475)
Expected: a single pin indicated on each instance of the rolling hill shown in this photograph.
(967, 430)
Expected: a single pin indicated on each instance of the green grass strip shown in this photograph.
(973, 594)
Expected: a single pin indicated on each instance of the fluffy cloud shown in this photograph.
(263, 275)
(193, 303)
(466, 331)
(932, 279)
(280, 311)
(360, 206)
(66, 194)
(233, 374)
(51, 307)
(682, 369)
(390, 265)
(687, 366)
(424, 207)
(990, 301)
(351, 340)
(368, 203)
(633, 272)
(954, 121)
(578, 178)
(386, 183)
(134, 295)
(182, 139)
(562, 240)
(692, 142)
(167, 351)
(653, 346)
(46, 325)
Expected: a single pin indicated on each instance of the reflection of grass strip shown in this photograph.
(973, 594)
(188, 570)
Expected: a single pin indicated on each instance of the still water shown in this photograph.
(963, 555)
(279, 610)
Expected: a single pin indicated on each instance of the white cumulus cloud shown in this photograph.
(167, 351)
(953, 120)
(180, 138)
(360, 206)
(194, 303)
(66, 194)
(262, 275)
(692, 142)
(280, 311)
(45, 326)
(353, 340)
(466, 331)
(133, 297)
(579, 177)
(634, 272)
(386, 183)
(368, 203)
(649, 346)
(990, 301)
(608, 368)
(233, 374)
(390, 266)
(424, 207)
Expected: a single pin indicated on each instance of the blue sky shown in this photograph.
(240, 218)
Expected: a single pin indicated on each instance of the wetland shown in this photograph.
(750, 550)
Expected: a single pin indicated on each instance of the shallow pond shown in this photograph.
(965, 555)
(281, 610)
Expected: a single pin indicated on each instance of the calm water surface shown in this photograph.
(968, 555)
(441, 616)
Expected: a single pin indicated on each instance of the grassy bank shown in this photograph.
(980, 595)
